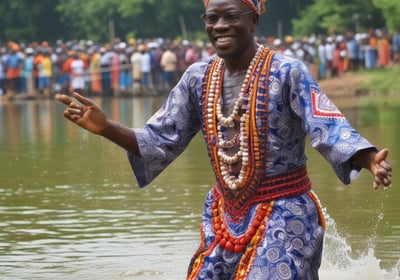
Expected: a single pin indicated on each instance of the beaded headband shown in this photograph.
(257, 6)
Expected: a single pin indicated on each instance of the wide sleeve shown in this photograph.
(168, 132)
(330, 132)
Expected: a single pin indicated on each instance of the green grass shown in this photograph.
(385, 81)
(383, 86)
(379, 101)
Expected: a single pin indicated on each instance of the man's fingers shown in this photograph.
(72, 114)
(384, 164)
(64, 99)
(83, 100)
(69, 101)
(383, 178)
(387, 181)
(74, 109)
(381, 155)
(377, 182)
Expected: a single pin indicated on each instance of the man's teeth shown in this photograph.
(223, 39)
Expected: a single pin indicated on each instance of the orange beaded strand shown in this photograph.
(237, 244)
(248, 257)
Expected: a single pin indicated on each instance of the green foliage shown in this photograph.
(29, 20)
(22, 20)
(384, 80)
(390, 10)
(87, 19)
(141, 18)
(337, 16)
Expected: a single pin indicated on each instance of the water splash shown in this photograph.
(338, 262)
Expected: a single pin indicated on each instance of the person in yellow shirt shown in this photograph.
(45, 68)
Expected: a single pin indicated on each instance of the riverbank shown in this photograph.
(345, 90)
(346, 85)
(364, 82)
(355, 88)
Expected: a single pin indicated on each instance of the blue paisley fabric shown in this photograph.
(297, 108)
(292, 245)
(291, 249)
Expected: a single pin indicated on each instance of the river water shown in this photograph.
(70, 207)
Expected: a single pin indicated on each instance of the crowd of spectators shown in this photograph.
(140, 66)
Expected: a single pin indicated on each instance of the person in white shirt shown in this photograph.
(330, 50)
(77, 74)
(136, 61)
(145, 67)
(168, 63)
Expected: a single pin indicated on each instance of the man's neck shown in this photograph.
(242, 62)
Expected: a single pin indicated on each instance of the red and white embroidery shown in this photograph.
(321, 105)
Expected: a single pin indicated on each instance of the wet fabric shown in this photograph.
(290, 249)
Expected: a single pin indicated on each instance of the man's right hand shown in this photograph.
(84, 112)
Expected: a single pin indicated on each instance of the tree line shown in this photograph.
(100, 20)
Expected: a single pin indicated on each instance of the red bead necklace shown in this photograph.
(253, 234)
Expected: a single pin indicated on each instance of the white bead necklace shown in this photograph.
(232, 181)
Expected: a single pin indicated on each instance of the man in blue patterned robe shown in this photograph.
(255, 108)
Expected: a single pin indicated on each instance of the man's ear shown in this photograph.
(256, 20)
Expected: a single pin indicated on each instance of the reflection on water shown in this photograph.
(70, 207)
(69, 231)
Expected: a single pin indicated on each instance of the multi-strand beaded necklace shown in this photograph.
(233, 193)
(249, 116)
(232, 181)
